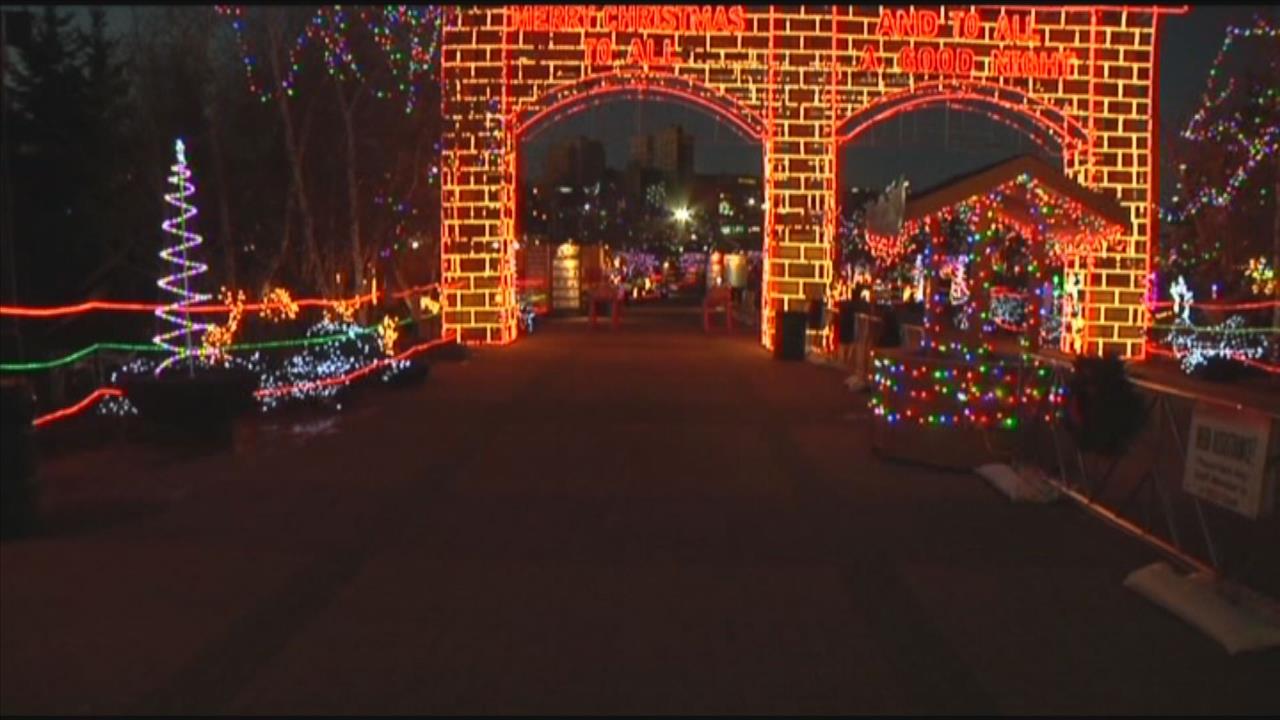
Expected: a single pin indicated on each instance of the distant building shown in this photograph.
(578, 163)
(668, 151)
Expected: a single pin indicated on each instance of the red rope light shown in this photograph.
(78, 407)
(92, 305)
(103, 392)
(1259, 305)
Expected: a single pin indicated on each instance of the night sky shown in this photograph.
(928, 146)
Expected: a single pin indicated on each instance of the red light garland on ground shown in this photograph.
(79, 407)
(1256, 305)
(355, 375)
(106, 392)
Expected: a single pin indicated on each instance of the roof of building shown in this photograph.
(983, 180)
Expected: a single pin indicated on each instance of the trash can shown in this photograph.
(19, 488)
(815, 309)
(789, 335)
(890, 329)
(847, 314)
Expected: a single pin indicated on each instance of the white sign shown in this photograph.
(1226, 459)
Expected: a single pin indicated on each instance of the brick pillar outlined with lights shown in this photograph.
(800, 160)
(477, 180)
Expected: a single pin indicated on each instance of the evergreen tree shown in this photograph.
(46, 92)
(109, 149)
(70, 152)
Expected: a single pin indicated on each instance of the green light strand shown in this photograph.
(148, 347)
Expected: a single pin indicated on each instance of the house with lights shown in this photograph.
(1000, 255)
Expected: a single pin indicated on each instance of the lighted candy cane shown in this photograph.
(177, 312)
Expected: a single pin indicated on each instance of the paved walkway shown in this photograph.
(646, 521)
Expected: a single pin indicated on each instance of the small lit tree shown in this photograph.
(185, 342)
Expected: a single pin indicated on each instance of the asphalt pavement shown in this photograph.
(647, 520)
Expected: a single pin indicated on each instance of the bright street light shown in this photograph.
(683, 215)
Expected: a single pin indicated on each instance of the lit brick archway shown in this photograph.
(802, 79)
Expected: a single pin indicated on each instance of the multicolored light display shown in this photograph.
(952, 391)
(1247, 143)
(992, 261)
(408, 37)
(1195, 345)
(1056, 230)
(329, 361)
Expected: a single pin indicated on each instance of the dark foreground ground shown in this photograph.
(651, 520)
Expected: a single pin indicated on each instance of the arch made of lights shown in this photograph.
(804, 79)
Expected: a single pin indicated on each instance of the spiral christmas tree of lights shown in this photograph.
(183, 341)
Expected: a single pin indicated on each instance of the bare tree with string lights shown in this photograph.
(1224, 213)
(377, 102)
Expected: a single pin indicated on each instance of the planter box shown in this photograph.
(789, 336)
(19, 484)
(445, 352)
(416, 374)
(199, 408)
